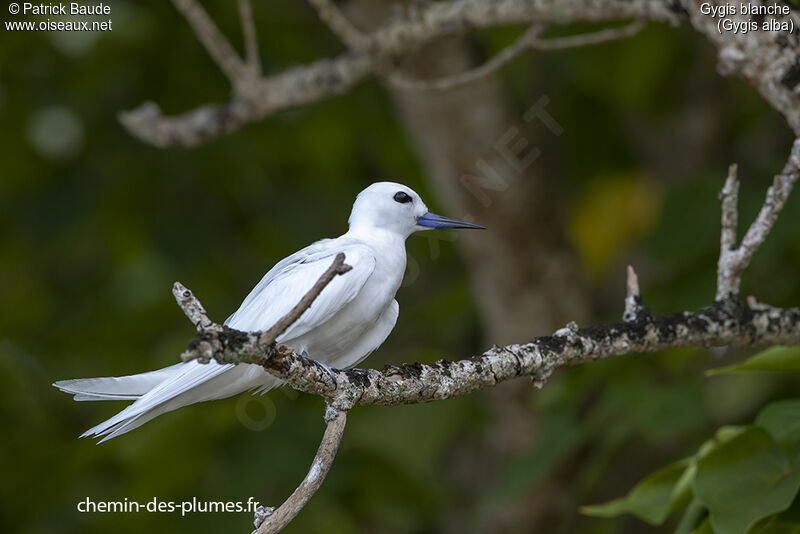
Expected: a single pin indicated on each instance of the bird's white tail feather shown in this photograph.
(115, 387)
(175, 387)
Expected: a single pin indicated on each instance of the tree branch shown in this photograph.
(528, 41)
(292, 88)
(724, 323)
(252, 56)
(341, 26)
(522, 44)
(768, 60)
(269, 521)
(217, 46)
(328, 77)
(634, 309)
(591, 38)
(734, 260)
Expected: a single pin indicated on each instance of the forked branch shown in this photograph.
(768, 60)
(733, 259)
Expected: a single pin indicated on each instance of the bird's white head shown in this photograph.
(397, 209)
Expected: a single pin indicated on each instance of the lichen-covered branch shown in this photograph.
(767, 59)
(733, 259)
(724, 323)
(291, 88)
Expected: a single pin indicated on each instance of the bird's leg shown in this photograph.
(304, 354)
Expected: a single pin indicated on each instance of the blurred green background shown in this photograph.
(95, 226)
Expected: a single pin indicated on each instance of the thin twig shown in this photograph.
(592, 38)
(323, 460)
(733, 260)
(341, 26)
(449, 82)
(337, 267)
(192, 308)
(527, 41)
(215, 43)
(633, 299)
(196, 313)
(729, 197)
(773, 204)
(252, 56)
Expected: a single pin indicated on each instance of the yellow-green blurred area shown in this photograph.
(95, 226)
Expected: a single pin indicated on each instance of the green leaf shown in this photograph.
(744, 480)
(781, 419)
(694, 513)
(786, 522)
(657, 495)
(651, 500)
(704, 528)
(775, 359)
(723, 435)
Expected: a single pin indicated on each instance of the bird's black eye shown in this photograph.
(402, 197)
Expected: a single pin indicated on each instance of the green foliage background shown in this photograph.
(94, 231)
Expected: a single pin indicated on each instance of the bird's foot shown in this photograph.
(358, 370)
(325, 366)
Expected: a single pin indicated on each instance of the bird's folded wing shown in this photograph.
(286, 283)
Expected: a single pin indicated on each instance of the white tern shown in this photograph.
(352, 316)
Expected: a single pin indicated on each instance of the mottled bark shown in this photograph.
(725, 323)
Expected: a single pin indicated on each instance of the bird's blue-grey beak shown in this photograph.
(431, 220)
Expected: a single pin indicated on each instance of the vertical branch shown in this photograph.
(733, 260)
(633, 298)
(340, 25)
(278, 519)
(252, 56)
(726, 285)
(773, 204)
(215, 43)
